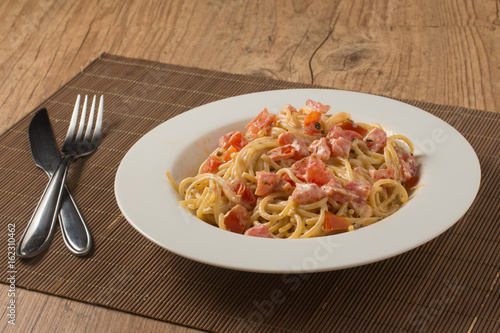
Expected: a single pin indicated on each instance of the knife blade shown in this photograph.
(46, 155)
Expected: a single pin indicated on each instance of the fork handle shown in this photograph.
(74, 230)
(36, 238)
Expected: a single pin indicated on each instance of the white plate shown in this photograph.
(450, 173)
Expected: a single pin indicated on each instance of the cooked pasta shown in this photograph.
(301, 173)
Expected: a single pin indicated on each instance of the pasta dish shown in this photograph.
(301, 173)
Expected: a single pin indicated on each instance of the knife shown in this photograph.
(36, 238)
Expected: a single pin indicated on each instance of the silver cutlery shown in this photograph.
(37, 235)
(44, 150)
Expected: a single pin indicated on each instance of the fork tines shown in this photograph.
(83, 123)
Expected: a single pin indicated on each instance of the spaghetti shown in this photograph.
(301, 173)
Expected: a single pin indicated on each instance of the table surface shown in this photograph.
(434, 51)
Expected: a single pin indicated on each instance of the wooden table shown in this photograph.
(435, 51)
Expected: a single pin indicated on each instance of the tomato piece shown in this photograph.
(227, 154)
(411, 182)
(259, 231)
(313, 124)
(335, 191)
(266, 182)
(212, 164)
(389, 173)
(286, 138)
(236, 139)
(318, 106)
(299, 168)
(247, 198)
(312, 170)
(335, 224)
(376, 139)
(409, 168)
(340, 147)
(300, 148)
(347, 125)
(236, 220)
(264, 120)
(307, 193)
(281, 153)
(360, 188)
(321, 149)
(316, 172)
(292, 147)
(337, 132)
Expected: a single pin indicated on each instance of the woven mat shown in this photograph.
(450, 284)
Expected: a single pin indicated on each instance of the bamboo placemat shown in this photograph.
(447, 285)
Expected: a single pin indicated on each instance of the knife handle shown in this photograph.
(37, 235)
(74, 230)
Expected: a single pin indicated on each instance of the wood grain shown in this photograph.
(437, 51)
(38, 312)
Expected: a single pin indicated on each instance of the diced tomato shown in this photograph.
(281, 153)
(259, 231)
(351, 135)
(335, 224)
(286, 138)
(266, 181)
(389, 173)
(318, 106)
(300, 147)
(347, 125)
(316, 172)
(299, 168)
(236, 139)
(227, 154)
(212, 164)
(292, 147)
(361, 207)
(409, 168)
(264, 120)
(337, 132)
(313, 125)
(312, 170)
(360, 188)
(411, 182)
(236, 220)
(321, 149)
(375, 139)
(335, 191)
(307, 193)
(408, 165)
(340, 147)
(247, 198)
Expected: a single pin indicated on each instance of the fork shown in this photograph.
(32, 243)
